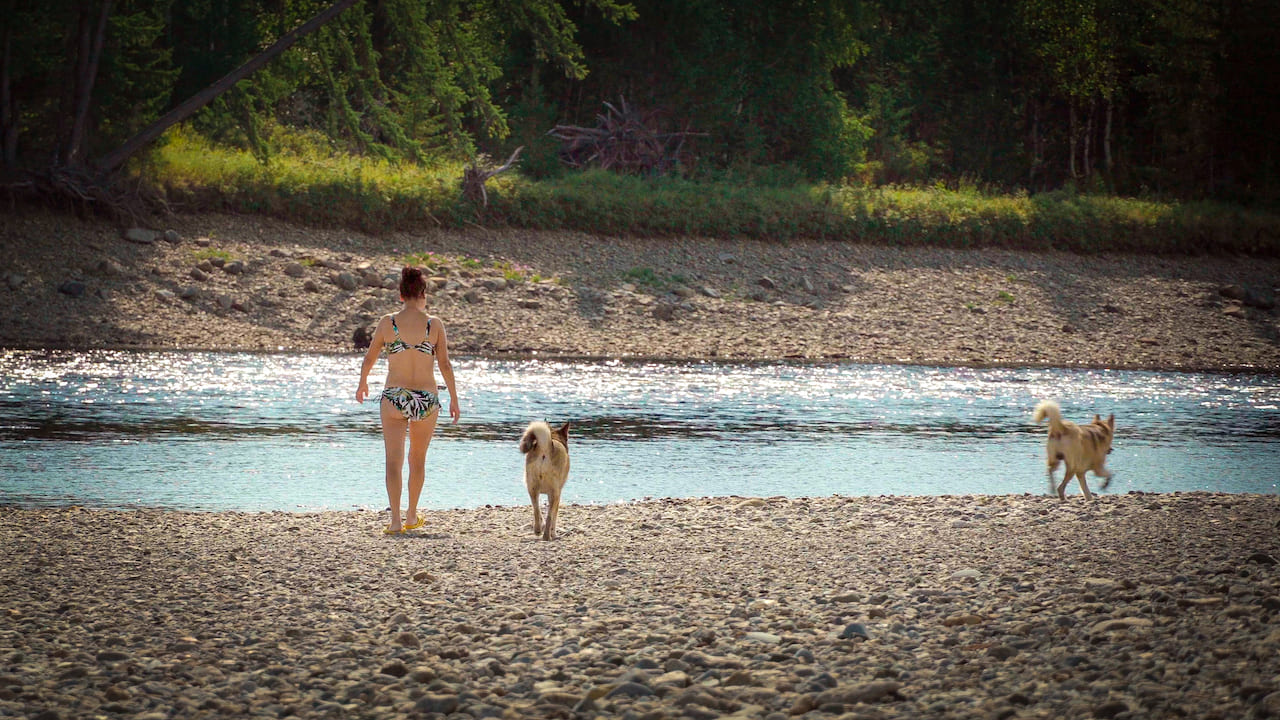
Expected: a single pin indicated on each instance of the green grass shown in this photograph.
(305, 183)
(211, 253)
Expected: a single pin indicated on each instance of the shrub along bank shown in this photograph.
(312, 187)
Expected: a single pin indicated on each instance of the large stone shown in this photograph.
(395, 668)
(294, 269)
(664, 311)
(72, 288)
(346, 281)
(142, 236)
(437, 703)
(629, 689)
(866, 692)
(1270, 705)
(1118, 624)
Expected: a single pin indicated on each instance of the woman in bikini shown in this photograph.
(411, 399)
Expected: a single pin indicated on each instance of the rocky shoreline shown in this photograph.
(1134, 606)
(225, 282)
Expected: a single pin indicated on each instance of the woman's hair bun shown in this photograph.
(412, 283)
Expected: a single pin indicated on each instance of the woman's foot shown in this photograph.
(414, 523)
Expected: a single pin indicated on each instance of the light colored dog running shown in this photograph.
(546, 467)
(1081, 447)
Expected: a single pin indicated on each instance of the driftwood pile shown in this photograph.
(623, 140)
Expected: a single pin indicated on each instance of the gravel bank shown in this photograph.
(1136, 606)
(246, 283)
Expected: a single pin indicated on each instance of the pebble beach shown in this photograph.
(1019, 606)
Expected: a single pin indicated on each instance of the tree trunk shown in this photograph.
(1106, 142)
(113, 160)
(1071, 142)
(90, 52)
(8, 114)
(1086, 152)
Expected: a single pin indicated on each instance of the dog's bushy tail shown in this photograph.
(536, 436)
(1048, 409)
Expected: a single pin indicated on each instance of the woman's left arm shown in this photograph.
(446, 372)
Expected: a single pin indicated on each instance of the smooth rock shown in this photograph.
(346, 281)
(1124, 623)
(72, 288)
(854, 630)
(141, 236)
(866, 692)
(395, 668)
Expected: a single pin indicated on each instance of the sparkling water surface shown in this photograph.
(243, 431)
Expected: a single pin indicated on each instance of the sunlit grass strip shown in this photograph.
(372, 194)
(312, 187)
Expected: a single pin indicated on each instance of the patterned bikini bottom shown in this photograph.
(412, 404)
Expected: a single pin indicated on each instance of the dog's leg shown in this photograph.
(1105, 474)
(1062, 487)
(1084, 486)
(553, 512)
(537, 513)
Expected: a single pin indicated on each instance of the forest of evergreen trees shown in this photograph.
(1173, 98)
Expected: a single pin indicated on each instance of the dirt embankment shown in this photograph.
(248, 283)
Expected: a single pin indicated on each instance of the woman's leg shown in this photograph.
(420, 433)
(393, 430)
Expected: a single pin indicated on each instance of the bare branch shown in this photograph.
(473, 178)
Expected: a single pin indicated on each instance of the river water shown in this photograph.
(242, 431)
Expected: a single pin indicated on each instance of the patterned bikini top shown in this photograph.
(399, 345)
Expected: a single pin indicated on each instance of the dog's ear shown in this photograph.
(1111, 421)
(563, 433)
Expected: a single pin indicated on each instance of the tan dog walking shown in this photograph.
(546, 468)
(1081, 447)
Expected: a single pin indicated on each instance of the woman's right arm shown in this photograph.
(371, 358)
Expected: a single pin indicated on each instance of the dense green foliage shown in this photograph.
(301, 184)
(796, 111)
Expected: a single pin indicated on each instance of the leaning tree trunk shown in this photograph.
(88, 57)
(113, 160)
